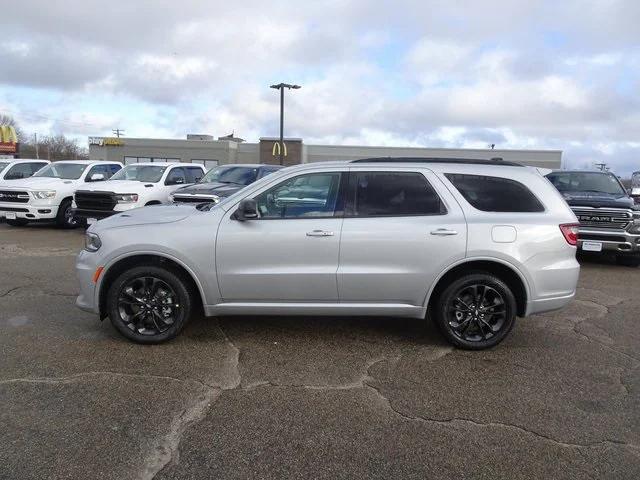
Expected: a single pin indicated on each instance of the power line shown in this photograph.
(117, 132)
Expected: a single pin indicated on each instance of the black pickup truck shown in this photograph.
(609, 218)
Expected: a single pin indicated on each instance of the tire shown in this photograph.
(628, 260)
(64, 219)
(136, 318)
(17, 222)
(471, 328)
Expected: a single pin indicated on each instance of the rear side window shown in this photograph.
(495, 194)
(388, 194)
(194, 174)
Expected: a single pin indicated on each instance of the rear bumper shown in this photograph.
(612, 240)
(29, 212)
(548, 304)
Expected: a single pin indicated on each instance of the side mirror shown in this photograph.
(247, 210)
(96, 177)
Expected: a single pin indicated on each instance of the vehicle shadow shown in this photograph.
(372, 330)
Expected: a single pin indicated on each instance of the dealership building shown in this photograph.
(206, 150)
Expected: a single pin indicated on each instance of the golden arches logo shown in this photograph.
(276, 149)
(8, 134)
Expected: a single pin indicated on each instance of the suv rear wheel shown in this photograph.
(149, 304)
(475, 311)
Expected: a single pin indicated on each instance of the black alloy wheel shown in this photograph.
(149, 304)
(476, 311)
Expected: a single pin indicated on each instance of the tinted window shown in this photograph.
(495, 194)
(312, 195)
(21, 170)
(267, 171)
(176, 176)
(114, 168)
(381, 194)
(3, 165)
(194, 174)
(228, 174)
(586, 182)
(103, 170)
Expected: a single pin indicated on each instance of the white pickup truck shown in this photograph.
(11, 169)
(48, 194)
(136, 185)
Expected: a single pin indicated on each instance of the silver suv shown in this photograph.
(472, 244)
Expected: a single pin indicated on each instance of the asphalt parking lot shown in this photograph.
(308, 397)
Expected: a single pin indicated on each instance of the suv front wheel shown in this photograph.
(475, 311)
(149, 304)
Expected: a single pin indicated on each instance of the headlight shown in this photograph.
(127, 198)
(92, 242)
(43, 194)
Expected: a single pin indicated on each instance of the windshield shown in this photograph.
(3, 165)
(68, 171)
(635, 179)
(235, 175)
(586, 182)
(141, 173)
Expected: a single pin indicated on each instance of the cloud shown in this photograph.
(542, 74)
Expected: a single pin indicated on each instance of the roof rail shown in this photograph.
(471, 161)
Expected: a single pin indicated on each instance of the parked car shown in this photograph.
(467, 242)
(17, 169)
(47, 195)
(220, 182)
(609, 218)
(136, 185)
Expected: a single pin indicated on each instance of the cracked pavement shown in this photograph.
(270, 397)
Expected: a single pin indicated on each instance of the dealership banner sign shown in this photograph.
(8, 140)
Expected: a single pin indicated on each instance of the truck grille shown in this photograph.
(104, 201)
(613, 218)
(14, 196)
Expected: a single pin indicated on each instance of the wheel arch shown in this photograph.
(501, 269)
(121, 264)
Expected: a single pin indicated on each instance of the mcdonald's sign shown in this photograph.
(8, 139)
(276, 149)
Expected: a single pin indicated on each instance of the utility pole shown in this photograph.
(117, 132)
(281, 87)
(35, 139)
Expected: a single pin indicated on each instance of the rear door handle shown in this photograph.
(319, 233)
(443, 232)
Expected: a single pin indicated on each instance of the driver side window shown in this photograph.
(310, 195)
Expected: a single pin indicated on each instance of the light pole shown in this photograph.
(281, 87)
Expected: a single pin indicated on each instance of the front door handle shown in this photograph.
(443, 232)
(319, 233)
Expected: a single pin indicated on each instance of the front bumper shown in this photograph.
(28, 211)
(619, 241)
(88, 213)
(85, 269)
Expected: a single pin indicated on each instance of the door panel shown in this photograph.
(275, 260)
(289, 254)
(395, 259)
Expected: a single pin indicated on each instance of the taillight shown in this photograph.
(570, 232)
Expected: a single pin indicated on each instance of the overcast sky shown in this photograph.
(520, 74)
